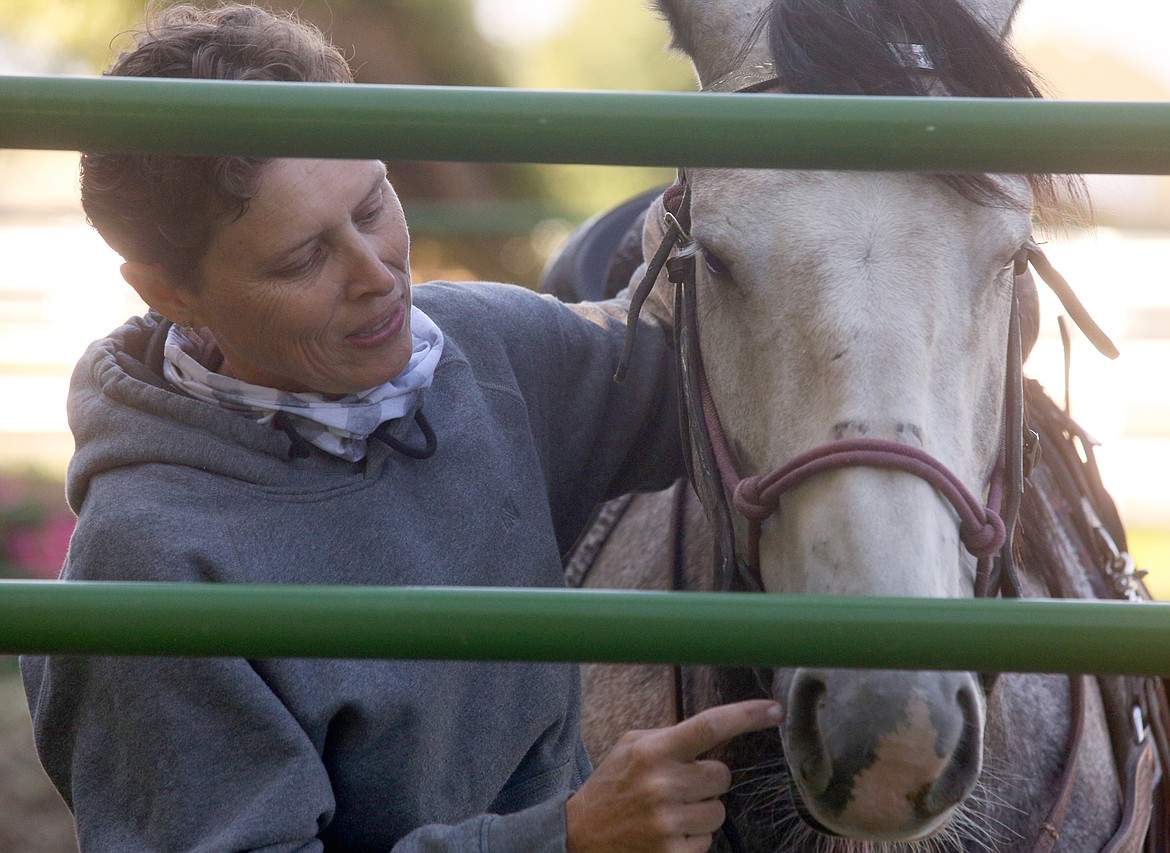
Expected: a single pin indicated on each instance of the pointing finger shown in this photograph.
(703, 732)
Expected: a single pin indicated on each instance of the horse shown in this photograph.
(850, 350)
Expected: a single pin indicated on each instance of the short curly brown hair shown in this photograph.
(162, 208)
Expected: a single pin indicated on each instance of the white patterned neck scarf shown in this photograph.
(337, 424)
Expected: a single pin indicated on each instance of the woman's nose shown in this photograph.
(366, 272)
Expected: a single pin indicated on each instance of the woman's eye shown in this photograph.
(716, 265)
(370, 216)
(301, 268)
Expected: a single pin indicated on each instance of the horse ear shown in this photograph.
(997, 14)
(718, 35)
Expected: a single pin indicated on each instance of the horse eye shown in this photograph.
(1017, 264)
(716, 265)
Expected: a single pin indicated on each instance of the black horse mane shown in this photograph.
(859, 47)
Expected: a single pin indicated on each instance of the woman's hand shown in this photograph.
(653, 793)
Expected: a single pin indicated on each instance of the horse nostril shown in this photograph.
(805, 744)
(963, 769)
(807, 698)
(969, 749)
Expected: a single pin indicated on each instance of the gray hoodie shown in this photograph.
(227, 754)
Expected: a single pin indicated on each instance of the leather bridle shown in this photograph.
(985, 528)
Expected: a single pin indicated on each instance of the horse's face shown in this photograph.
(841, 305)
(845, 305)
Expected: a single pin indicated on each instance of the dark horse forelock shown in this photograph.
(858, 47)
(843, 47)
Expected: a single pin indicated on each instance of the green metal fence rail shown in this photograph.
(583, 625)
(509, 125)
(432, 123)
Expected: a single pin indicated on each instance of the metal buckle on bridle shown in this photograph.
(1120, 568)
(1137, 717)
(1032, 450)
(682, 236)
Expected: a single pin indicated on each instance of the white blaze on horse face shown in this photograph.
(856, 305)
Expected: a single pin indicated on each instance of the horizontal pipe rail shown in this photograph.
(261, 621)
(624, 128)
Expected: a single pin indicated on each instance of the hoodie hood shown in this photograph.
(124, 413)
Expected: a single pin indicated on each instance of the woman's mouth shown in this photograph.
(380, 330)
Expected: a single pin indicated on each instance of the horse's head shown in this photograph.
(862, 312)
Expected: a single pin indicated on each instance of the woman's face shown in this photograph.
(309, 290)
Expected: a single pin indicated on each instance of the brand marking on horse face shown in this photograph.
(905, 431)
(846, 429)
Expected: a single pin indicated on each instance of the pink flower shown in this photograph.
(40, 551)
(14, 491)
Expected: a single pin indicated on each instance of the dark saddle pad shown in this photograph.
(599, 257)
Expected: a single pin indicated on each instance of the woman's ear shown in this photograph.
(159, 291)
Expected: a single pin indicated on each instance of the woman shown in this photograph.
(291, 411)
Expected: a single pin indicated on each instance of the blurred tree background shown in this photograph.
(469, 220)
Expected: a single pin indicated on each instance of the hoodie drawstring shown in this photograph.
(382, 433)
(299, 446)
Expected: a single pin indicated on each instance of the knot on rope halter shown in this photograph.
(981, 528)
(750, 501)
(985, 539)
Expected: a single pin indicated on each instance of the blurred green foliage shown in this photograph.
(67, 35)
(605, 44)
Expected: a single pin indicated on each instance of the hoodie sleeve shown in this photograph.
(603, 437)
(208, 754)
(197, 754)
(175, 754)
(597, 438)
(538, 829)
